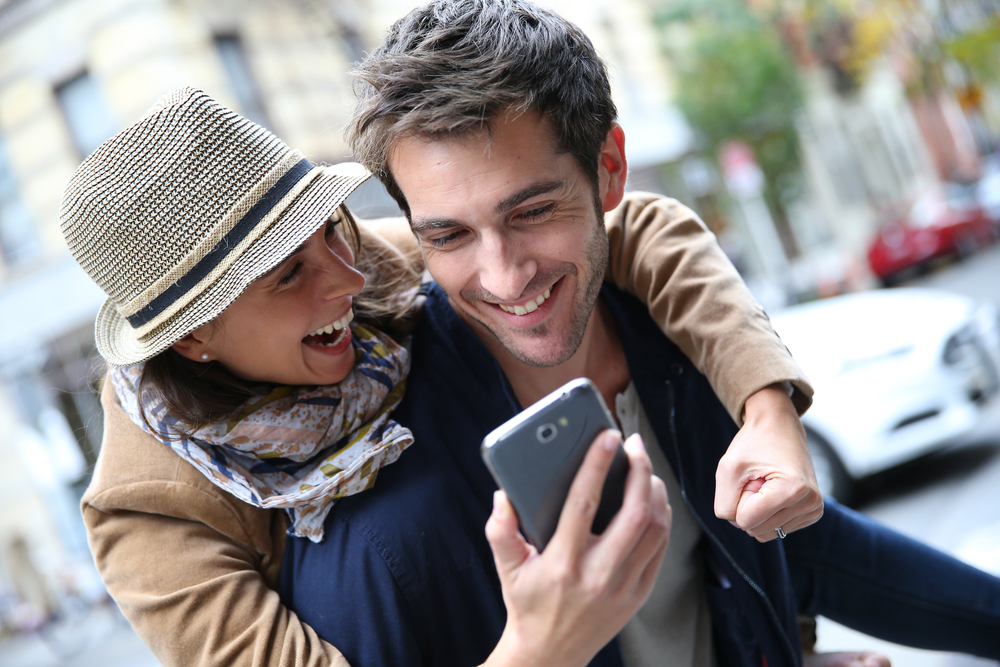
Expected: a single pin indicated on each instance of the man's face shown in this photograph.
(511, 230)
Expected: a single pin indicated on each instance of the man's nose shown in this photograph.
(505, 269)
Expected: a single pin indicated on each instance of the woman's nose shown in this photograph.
(338, 278)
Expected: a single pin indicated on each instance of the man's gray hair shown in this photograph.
(453, 66)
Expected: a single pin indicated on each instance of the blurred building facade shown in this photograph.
(898, 96)
(893, 107)
(865, 159)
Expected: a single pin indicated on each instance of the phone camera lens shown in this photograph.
(546, 432)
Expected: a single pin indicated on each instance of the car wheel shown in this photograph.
(966, 246)
(831, 476)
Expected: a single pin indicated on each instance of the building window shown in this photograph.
(240, 75)
(18, 241)
(87, 113)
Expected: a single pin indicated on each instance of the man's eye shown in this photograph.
(535, 213)
(446, 240)
(292, 274)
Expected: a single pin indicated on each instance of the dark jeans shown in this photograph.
(872, 579)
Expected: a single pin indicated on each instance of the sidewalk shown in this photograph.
(835, 637)
(100, 638)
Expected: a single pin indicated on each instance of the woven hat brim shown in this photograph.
(114, 335)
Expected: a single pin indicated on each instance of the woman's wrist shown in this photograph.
(768, 401)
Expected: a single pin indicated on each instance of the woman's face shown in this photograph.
(290, 325)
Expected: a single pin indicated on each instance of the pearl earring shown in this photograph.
(204, 356)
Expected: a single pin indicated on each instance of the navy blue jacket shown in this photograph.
(405, 575)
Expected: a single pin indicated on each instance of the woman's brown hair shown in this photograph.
(199, 393)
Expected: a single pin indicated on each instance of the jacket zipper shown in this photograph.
(715, 539)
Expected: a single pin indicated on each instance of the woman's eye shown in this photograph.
(291, 275)
(331, 226)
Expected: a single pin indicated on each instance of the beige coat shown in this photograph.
(194, 569)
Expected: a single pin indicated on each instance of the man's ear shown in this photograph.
(194, 346)
(612, 168)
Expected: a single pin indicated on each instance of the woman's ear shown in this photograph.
(194, 346)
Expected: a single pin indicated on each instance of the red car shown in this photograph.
(941, 222)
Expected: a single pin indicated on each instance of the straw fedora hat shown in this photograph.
(175, 216)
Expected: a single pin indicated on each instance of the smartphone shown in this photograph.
(534, 457)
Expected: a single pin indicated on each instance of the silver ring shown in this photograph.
(781, 534)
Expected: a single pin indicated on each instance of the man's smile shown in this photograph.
(529, 312)
(528, 306)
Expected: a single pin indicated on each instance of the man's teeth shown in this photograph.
(336, 326)
(529, 307)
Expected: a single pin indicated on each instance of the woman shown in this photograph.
(230, 290)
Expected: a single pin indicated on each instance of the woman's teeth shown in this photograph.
(336, 326)
(529, 307)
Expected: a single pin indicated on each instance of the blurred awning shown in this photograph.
(39, 307)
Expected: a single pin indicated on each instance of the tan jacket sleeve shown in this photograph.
(664, 254)
(193, 569)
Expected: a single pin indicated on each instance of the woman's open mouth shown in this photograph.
(331, 335)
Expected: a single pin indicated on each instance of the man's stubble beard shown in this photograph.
(597, 255)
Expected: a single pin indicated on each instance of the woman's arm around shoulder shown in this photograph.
(663, 253)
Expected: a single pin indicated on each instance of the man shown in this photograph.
(771, 447)
(504, 172)
(507, 220)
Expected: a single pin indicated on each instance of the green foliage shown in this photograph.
(736, 81)
(979, 51)
(738, 84)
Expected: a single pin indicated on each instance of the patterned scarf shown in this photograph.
(297, 448)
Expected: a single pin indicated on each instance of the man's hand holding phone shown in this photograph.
(565, 604)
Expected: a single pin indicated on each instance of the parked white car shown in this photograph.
(898, 373)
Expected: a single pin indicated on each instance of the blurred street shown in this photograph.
(100, 637)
